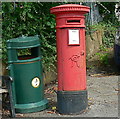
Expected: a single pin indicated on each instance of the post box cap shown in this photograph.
(69, 8)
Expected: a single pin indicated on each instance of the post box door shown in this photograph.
(71, 59)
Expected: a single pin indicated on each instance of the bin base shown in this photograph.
(72, 102)
(31, 107)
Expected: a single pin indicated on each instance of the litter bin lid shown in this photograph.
(23, 42)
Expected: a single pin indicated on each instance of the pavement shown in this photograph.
(102, 99)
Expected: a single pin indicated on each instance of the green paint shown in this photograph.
(23, 70)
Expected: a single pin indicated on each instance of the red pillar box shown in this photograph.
(71, 57)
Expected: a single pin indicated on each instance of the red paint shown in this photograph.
(71, 59)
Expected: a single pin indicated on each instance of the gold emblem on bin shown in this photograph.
(35, 82)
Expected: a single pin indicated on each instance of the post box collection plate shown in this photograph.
(74, 37)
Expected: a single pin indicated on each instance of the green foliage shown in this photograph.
(109, 32)
(103, 48)
(23, 52)
(103, 58)
(23, 18)
(109, 24)
(29, 19)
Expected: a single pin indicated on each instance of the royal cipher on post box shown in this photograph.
(71, 57)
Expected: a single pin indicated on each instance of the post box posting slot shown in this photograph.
(73, 37)
(73, 21)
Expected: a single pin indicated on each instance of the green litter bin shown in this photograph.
(25, 69)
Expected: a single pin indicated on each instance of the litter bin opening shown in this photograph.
(25, 57)
(28, 53)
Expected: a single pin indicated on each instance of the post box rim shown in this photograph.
(69, 7)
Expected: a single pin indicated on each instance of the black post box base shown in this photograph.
(72, 102)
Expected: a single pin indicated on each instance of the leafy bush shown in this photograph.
(29, 19)
(109, 30)
(103, 58)
(109, 34)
